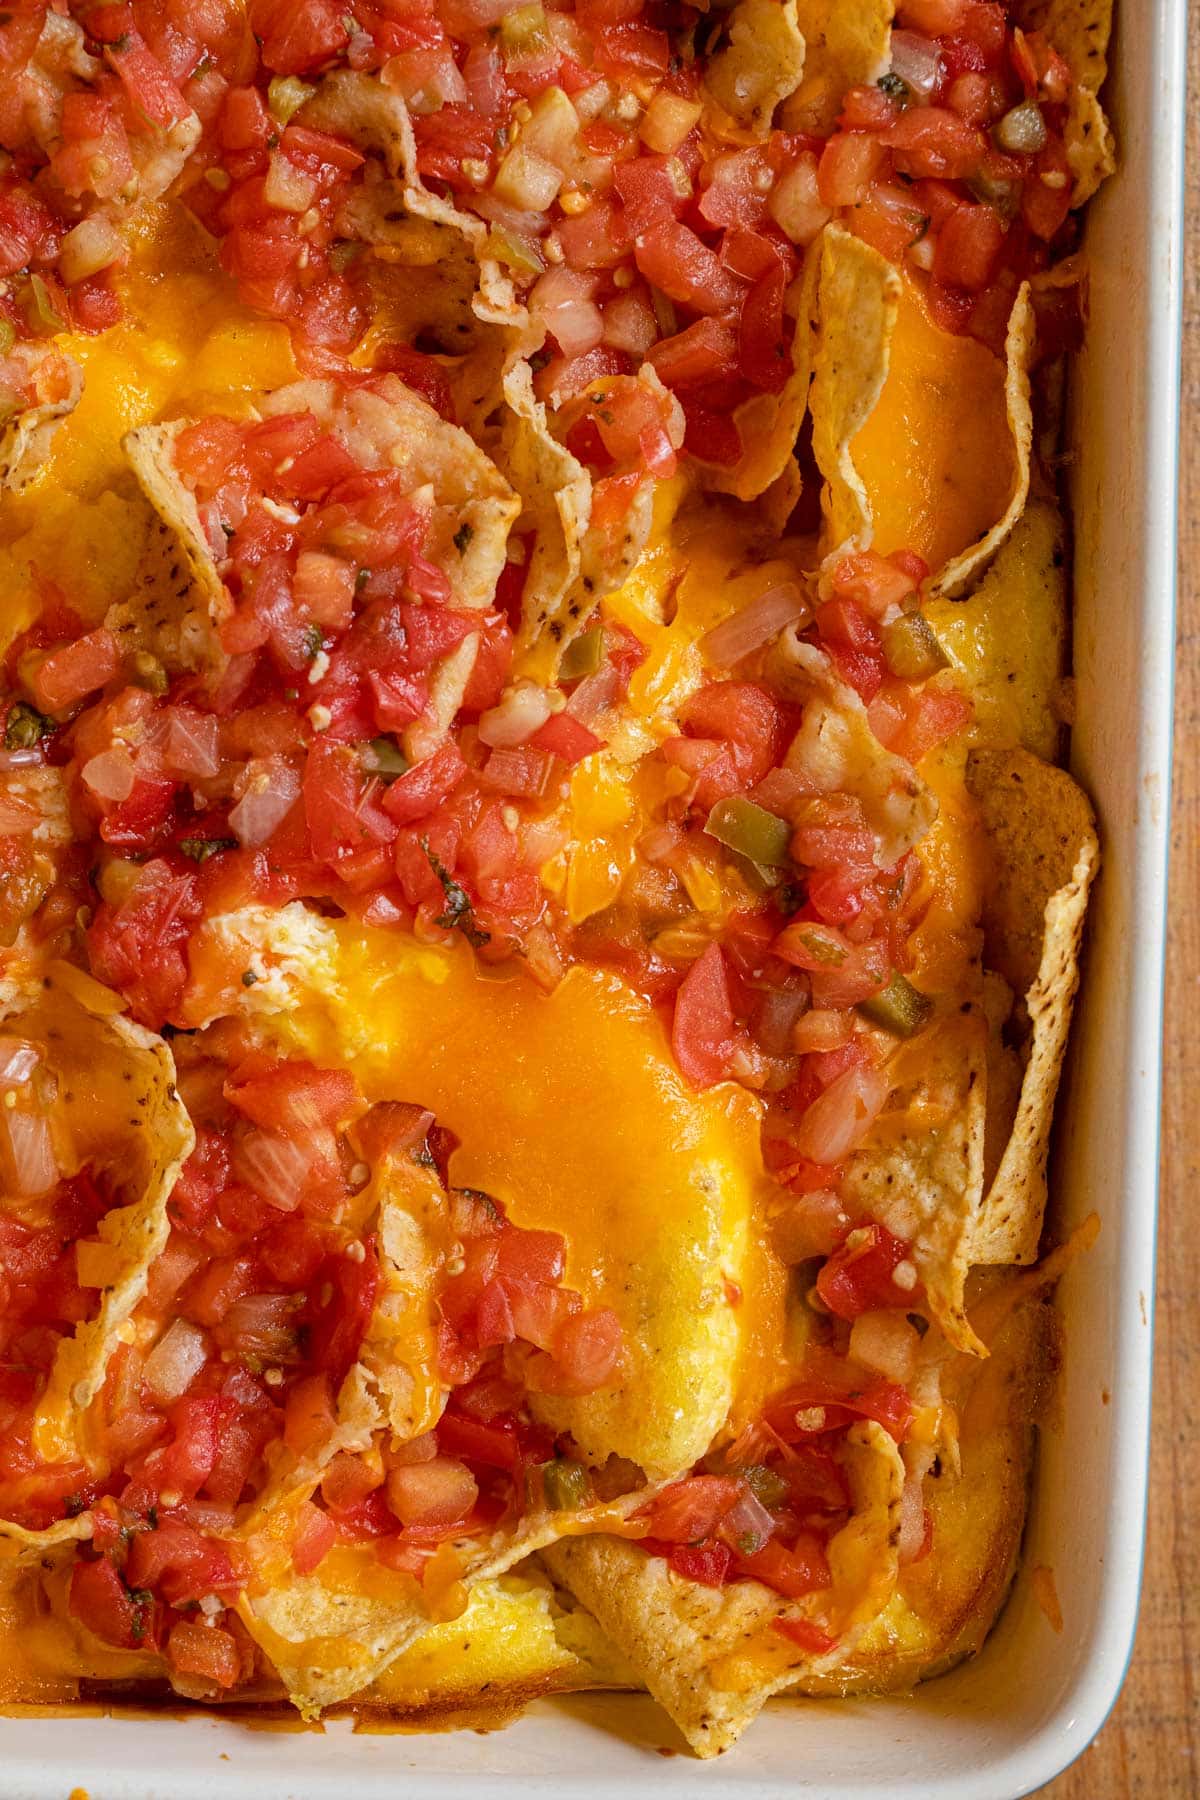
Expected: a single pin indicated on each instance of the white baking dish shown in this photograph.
(1008, 1722)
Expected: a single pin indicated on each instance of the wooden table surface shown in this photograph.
(1150, 1748)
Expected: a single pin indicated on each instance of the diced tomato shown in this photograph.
(418, 793)
(702, 1030)
(932, 140)
(100, 1600)
(672, 257)
(802, 1569)
(69, 674)
(709, 1564)
(705, 351)
(298, 35)
(338, 1323)
(314, 1538)
(968, 248)
(424, 374)
(179, 1563)
(206, 1652)
(492, 1443)
(860, 1275)
(294, 1096)
(565, 737)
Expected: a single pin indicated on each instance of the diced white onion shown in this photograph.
(270, 790)
(917, 61)
(287, 188)
(18, 1060)
(885, 1341)
(667, 121)
(779, 1012)
(796, 205)
(33, 1167)
(561, 298)
(275, 1167)
(523, 709)
(189, 743)
(754, 625)
(88, 247)
(110, 775)
(594, 695)
(175, 1361)
(526, 180)
(747, 1525)
(839, 1119)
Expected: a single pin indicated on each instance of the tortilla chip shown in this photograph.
(180, 602)
(848, 44)
(117, 1113)
(1046, 855)
(25, 440)
(945, 1604)
(942, 454)
(858, 294)
(1007, 641)
(760, 65)
(518, 1637)
(334, 1632)
(1018, 350)
(920, 1169)
(1080, 30)
(712, 1657)
(769, 424)
(556, 492)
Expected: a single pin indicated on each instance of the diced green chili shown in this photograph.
(900, 1008)
(750, 830)
(514, 251)
(523, 31)
(765, 1484)
(198, 850)
(911, 647)
(565, 1485)
(383, 757)
(583, 655)
(286, 94)
(1022, 130)
(25, 726)
(41, 314)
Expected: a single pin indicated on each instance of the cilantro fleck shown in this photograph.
(462, 537)
(200, 849)
(143, 1600)
(25, 726)
(248, 978)
(893, 85)
(313, 642)
(460, 913)
(202, 67)
(362, 578)
(120, 44)
(152, 1517)
(73, 1505)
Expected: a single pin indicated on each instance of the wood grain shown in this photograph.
(1150, 1748)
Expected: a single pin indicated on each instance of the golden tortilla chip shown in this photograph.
(116, 1113)
(760, 65)
(858, 294)
(180, 601)
(920, 1170)
(334, 1632)
(848, 44)
(47, 388)
(1007, 641)
(1080, 30)
(712, 1657)
(518, 1637)
(954, 577)
(941, 452)
(1046, 855)
(556, 492)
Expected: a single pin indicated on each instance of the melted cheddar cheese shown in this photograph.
(936, 455)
